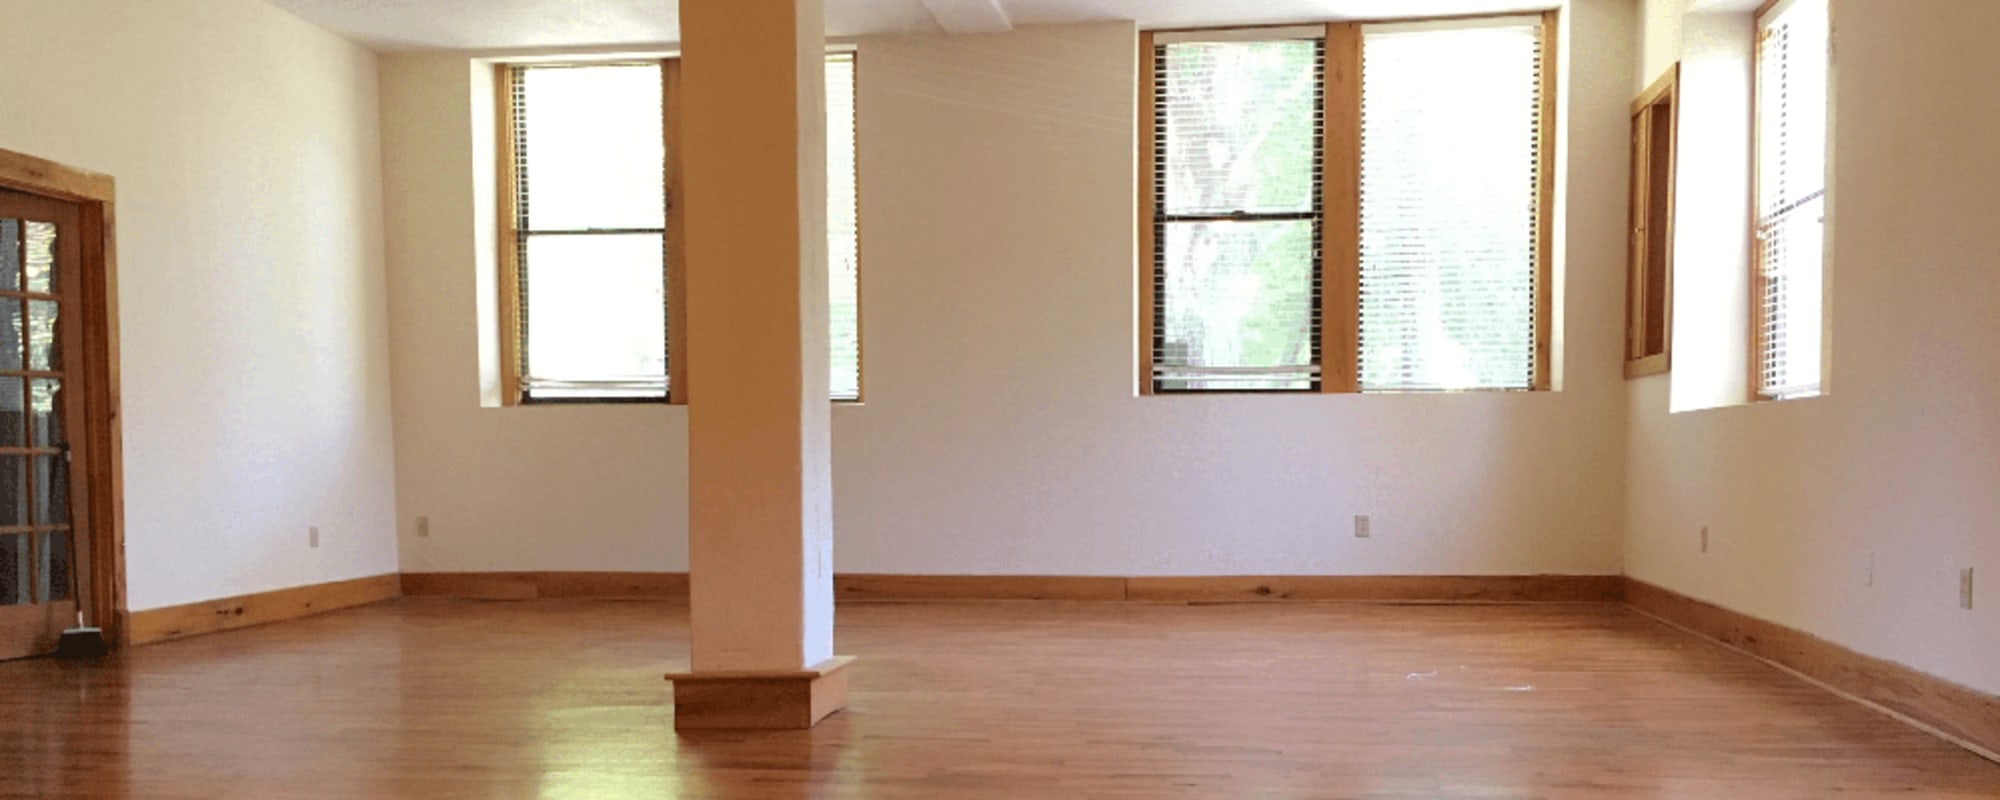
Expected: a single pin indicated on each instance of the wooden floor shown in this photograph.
(439, 698)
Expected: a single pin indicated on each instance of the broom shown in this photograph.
(82, 641)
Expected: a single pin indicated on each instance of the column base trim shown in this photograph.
(760, 700)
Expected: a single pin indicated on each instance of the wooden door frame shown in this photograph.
(95, 197)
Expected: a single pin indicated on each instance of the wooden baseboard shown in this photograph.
(229, 613)
(924, 588)
(918, 588)
(790, 700)
(1966, 716)
(548, 585)
(1381, 589)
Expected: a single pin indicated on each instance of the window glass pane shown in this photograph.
(843, 245)
(1792, 255)
(591, 147)
(1449, 204)
(595, 312)
(1791, 196)
(1236, 306)
(1239, 126)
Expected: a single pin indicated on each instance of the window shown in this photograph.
(1237, 213)
(1346, 208)
(588, 229)
(1792, 66)
(1650, 271)
(844, 242)
(1451, 195)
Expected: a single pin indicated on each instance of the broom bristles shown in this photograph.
(81, 642)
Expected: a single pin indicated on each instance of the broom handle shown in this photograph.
(75, 583)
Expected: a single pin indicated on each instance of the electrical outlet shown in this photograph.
(1965, 588)
(424, 527)
(312, 536)
(1704, 538)
(1361, 526)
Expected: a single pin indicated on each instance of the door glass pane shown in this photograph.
(13, 490)
(52, 567)
(45, 412)
(11, 412)
(13, 570)
(51, 490)
(42, 257)
(44, 352)
(10, 254)
(11, 324)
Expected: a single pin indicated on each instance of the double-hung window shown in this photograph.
(1346, 207)
(1787, 292)
(589, 277)
(588, 243)
(1238, 149)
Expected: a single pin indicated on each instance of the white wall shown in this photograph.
(251, 291)
(1001, 433)
(1898, 462)
(528, 488)
(1712, 242)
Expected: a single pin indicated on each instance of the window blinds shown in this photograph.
(843, 243)
(1450, 203)
(1237, 169)
(1791, 196)
(590, 219)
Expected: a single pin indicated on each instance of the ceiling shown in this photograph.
(498, 25)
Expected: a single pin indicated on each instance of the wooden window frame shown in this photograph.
(1340, 221)
(1662, 97)
(95, 196)
(678, 389)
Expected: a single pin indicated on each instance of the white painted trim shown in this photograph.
(1241, 34)
(1512, 21)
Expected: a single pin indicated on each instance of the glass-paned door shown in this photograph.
(42, 574)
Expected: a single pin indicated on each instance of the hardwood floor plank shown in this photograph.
(432, 697)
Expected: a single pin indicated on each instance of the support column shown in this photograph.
(760, 509)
